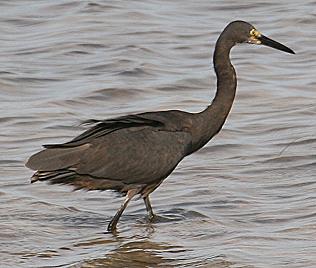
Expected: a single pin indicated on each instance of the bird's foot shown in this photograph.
(111, 227)
(151, 217)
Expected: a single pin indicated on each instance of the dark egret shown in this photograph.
(133, 154)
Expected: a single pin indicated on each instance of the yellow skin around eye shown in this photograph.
(254, 35)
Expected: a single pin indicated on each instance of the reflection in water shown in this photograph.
(145, 253)
(136, 254)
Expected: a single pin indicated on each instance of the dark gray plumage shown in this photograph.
(133, 154)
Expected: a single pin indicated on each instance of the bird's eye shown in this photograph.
(255, 33)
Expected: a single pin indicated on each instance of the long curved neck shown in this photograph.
(226, 81)
(211, 120)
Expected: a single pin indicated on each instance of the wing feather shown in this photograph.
(105, 127)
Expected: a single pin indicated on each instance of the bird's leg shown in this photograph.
(115, 219)
(149, 209)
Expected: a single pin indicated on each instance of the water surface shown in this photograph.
(245, 200)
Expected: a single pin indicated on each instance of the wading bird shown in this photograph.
(133, 154)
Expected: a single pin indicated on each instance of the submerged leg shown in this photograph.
(115, 219)
(149, 209)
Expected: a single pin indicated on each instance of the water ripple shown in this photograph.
(245, 200)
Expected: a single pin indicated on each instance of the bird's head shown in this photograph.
(244, 32)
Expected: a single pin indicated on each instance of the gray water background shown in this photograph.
(245, 200)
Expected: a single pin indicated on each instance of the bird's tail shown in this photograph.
(86, 182)
(54, 177)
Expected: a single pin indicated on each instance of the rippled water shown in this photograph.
(246, 200)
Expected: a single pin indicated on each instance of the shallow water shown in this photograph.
(246, 200)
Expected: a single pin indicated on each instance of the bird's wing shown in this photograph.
(98, 143)
(140, 155)
(59, 156)
(104, 127)
(127, 157)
